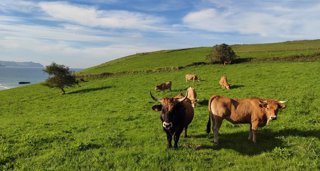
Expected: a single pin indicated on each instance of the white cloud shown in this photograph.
(24, 49)
(265, 20)
(89, 16)
(42, 32)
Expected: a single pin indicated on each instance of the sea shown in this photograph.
(11, 76)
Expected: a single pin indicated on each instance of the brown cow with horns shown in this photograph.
(175, 114)
(255, 111)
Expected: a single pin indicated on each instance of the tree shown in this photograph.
(60, 77)
(222, 53)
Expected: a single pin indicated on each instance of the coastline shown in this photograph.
(2, 87)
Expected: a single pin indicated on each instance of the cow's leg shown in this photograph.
(250, 133)
(176, 137)
(213, 120)
(254, 129)
(217, 125)
(254, 136)
(169, 139)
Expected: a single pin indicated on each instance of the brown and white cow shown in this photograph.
(192, 77)
(224, 82)
(175, 114)
(254, 111)
(163, 86)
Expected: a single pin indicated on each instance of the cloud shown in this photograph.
(7, 6)
(260, 19)
(24, 49)
(86, 33)
(90, 16)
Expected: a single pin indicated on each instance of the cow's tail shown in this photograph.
(209, 124)
(210, 114)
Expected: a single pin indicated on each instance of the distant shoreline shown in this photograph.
(3, 87)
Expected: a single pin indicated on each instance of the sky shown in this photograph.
(85, 33)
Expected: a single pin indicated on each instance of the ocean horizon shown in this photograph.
(11, 76)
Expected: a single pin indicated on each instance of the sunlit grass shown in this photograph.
(109, 124)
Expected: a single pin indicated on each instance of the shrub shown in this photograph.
(60, 77)
(222, 54)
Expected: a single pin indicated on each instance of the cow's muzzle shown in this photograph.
(273, 117)
(167, 125)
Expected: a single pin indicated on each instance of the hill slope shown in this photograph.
(181, 57)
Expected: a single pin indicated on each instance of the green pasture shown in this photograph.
(108, 124)
(282, 49)
(181, 57)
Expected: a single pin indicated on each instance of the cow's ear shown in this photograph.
(263, 104)
(282, 104)
(157, 108)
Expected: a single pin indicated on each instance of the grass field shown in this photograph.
(181, 57)
(109, 124)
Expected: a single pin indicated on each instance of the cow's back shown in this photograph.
(245, 108)
(192, 95)
(234, 110)
(223, 80)
(189, 77)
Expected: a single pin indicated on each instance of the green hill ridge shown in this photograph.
(181, 57)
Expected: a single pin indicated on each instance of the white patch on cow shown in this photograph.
(268, 121)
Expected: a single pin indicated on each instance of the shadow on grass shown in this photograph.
(87, 90)
(183, 90)
(236, 86)
(266, 140)
(242, 60)
(204, 135)
(299, 133)
(203, 102)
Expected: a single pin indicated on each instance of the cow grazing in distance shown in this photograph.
(192, 95)
(163, 86)
(224, 82)
(254, 111)
(175, 114)
(192, 77)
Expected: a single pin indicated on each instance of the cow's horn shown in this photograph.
(183, 98)
(282, 101)
(154, 98)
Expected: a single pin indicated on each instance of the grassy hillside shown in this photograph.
(180, 57)
(108, 123)
(282, 49)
